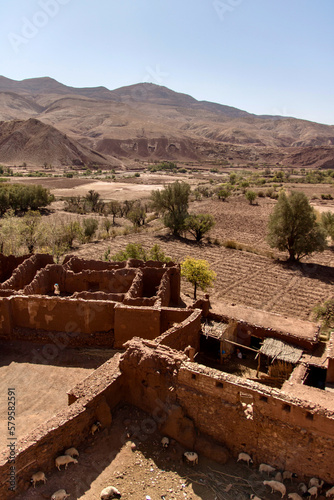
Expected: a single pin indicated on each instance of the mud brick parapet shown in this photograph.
(182, 334)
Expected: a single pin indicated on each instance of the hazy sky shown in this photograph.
(263, 56)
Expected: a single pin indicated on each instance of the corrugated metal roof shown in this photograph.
(277, 349)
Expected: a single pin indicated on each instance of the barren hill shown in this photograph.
(36, 143)
(148, 121)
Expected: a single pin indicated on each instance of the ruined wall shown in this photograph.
(108, 281)
(7, 265)
(77, 265)
(132, 321)
(69, 427)
(278, 329)
(183, 334)
(35, 318)
(330, 355)
(26, 270)
(286, 432)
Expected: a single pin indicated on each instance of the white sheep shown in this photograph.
(254, 497)
(266, 468)
(72, 452)
(289, 475)
(191, 457)
(279, 477)
(302, 487)
(294, 496)
(313, 491)
(64, 460)
(39, 476)
(165, 442)
(276, 486)
(110, 492)
(330, 493)
(314, 481)
(60, 495)
(95, 427)
(244, 457)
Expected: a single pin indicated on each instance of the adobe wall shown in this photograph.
(284, 431)
(330, 355)
(263, 324)
(182, 334)
(132, 321)
(7, 265)
(34, 318)
(77, 265)
(68, 428)
(25, 271)
(109, 281)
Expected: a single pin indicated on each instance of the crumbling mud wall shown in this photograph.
(183, 334)
(286, 432)
(8, 263)
(70, 427)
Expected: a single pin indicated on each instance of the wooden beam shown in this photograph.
(241, 345)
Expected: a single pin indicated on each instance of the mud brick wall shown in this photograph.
(132, 321)
(77, 265)
(70, 427)
(164, 290)
(112, 281)
(245, 329)
(330, 355)
(8, 264)
(183, 334)
(136, 288)
(33, 318)
(285, 432)
(26, 271)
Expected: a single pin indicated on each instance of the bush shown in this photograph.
(90, 226)
(251, 196)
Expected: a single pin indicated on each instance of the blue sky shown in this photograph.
(263, 56)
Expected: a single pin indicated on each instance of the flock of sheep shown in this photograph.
(69, 457)
(277, 484)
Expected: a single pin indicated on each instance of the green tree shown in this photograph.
(327, 222)
(90, 226)
(292, 226)
(198, 273)
(114, 209)
(137, 214)
(172, 202)
(155, 253)
(199, 225)
(251, 196)
(29, 229)
(132, 251)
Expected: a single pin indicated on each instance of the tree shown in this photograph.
(292, 226)
(114, 209)
(29, 230)
(251, 196)
(327, 222)
(173, 202)
(90, 226)
(137, 214)
(199, 224)
(198, 273)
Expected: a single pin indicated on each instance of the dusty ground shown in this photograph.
(40, 383)
(107, 459)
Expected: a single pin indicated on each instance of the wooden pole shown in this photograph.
(258, 365)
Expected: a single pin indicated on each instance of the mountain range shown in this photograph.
(43, 120)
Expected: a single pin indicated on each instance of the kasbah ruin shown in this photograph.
(276, 416)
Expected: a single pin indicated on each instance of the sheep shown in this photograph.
(72, 452)
(95, 427)
(302, 487)
(245, 458)
(330, 493)
(39, 476)
(110, 492)
(60, 495)
(64, 460)
(279, 477)
(191, 457)
(289, 475)
(165, 442)
(254, 497)
(276, 486)
(313, 491)
(314, 481)
(266, 468)
(294, 496)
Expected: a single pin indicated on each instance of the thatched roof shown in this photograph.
(214, 329)
(277, 349)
